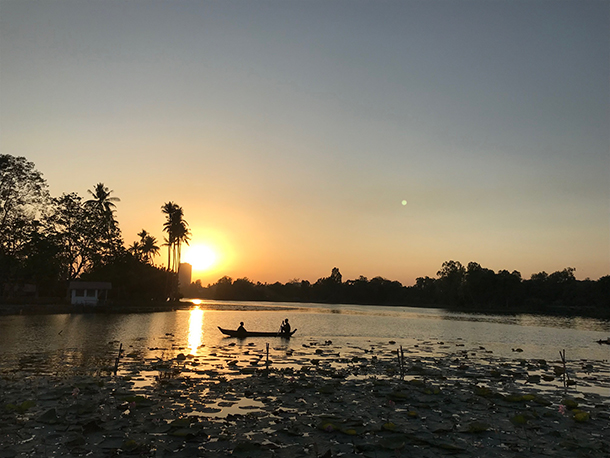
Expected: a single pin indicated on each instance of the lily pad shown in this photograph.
(49, 417)
(389, 426)
(581, 416)
(394, 442)
(518, 420)
(476, 427)
(569, 403)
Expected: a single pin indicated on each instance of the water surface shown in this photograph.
(50, 343)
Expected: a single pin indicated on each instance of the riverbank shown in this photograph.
(55, 308)
(319, 399)
(60, 307)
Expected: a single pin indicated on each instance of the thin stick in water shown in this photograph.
(118, 358)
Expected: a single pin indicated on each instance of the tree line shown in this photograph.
(456, 287)
(46, 241)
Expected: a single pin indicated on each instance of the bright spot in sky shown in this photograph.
(404, 202)
(201, 257)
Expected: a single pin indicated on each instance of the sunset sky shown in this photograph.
(293, 132)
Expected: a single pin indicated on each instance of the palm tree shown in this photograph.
(170, 209)
(182, 235)
(147, 246)
(177, 233)
(102, 201)
(101, 217)
(136, 250)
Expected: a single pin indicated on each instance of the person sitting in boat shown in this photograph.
(285, 328)
(241, 329)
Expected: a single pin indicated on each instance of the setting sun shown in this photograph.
(201, 257)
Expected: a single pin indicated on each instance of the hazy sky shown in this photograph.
(292, 131)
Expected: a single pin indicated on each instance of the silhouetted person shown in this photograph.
(285, 329)
(241, 329)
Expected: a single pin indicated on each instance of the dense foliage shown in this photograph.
(457, 287)
(46, 242)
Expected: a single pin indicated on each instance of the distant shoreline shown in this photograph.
(55, 308)
(61, 308)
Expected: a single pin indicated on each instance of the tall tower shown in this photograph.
(185, 271)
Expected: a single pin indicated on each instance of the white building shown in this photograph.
(88, 292)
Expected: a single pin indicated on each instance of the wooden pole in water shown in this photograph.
(118, 357)
(565, 369)
(401, 362)
(267, 363)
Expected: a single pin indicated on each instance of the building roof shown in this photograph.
(90, 285)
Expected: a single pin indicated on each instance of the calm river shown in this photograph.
(48, 343)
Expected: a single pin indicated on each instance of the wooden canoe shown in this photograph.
(241, 335)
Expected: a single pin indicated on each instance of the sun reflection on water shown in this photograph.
(195, 328)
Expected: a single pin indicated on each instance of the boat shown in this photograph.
(241, 334)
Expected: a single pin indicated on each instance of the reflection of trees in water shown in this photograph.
(543, 321)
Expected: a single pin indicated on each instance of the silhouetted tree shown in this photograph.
(132, 279)
(73, 233)
(479, 285)
(101, 214)
(83, 239)
(23, 202)
(450, 282)
(222, 289)
(103, 202)
(144, 249)
(329, 289)
(177, 233)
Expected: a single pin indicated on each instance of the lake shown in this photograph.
(54, 343)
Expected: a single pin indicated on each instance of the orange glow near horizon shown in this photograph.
(210, 254)
(201, 257)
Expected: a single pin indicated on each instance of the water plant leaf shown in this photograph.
(327, 426)
(542, 401)
(450, 447)
(49, 417)
(476, 427)
(398, 396)
(25, 406)
(129, 445)
(389, 426)
(180, 423)
(518, 420)
(569, 403)
(483, 391)
(394, 442)
(581, 416)
(186, 433)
